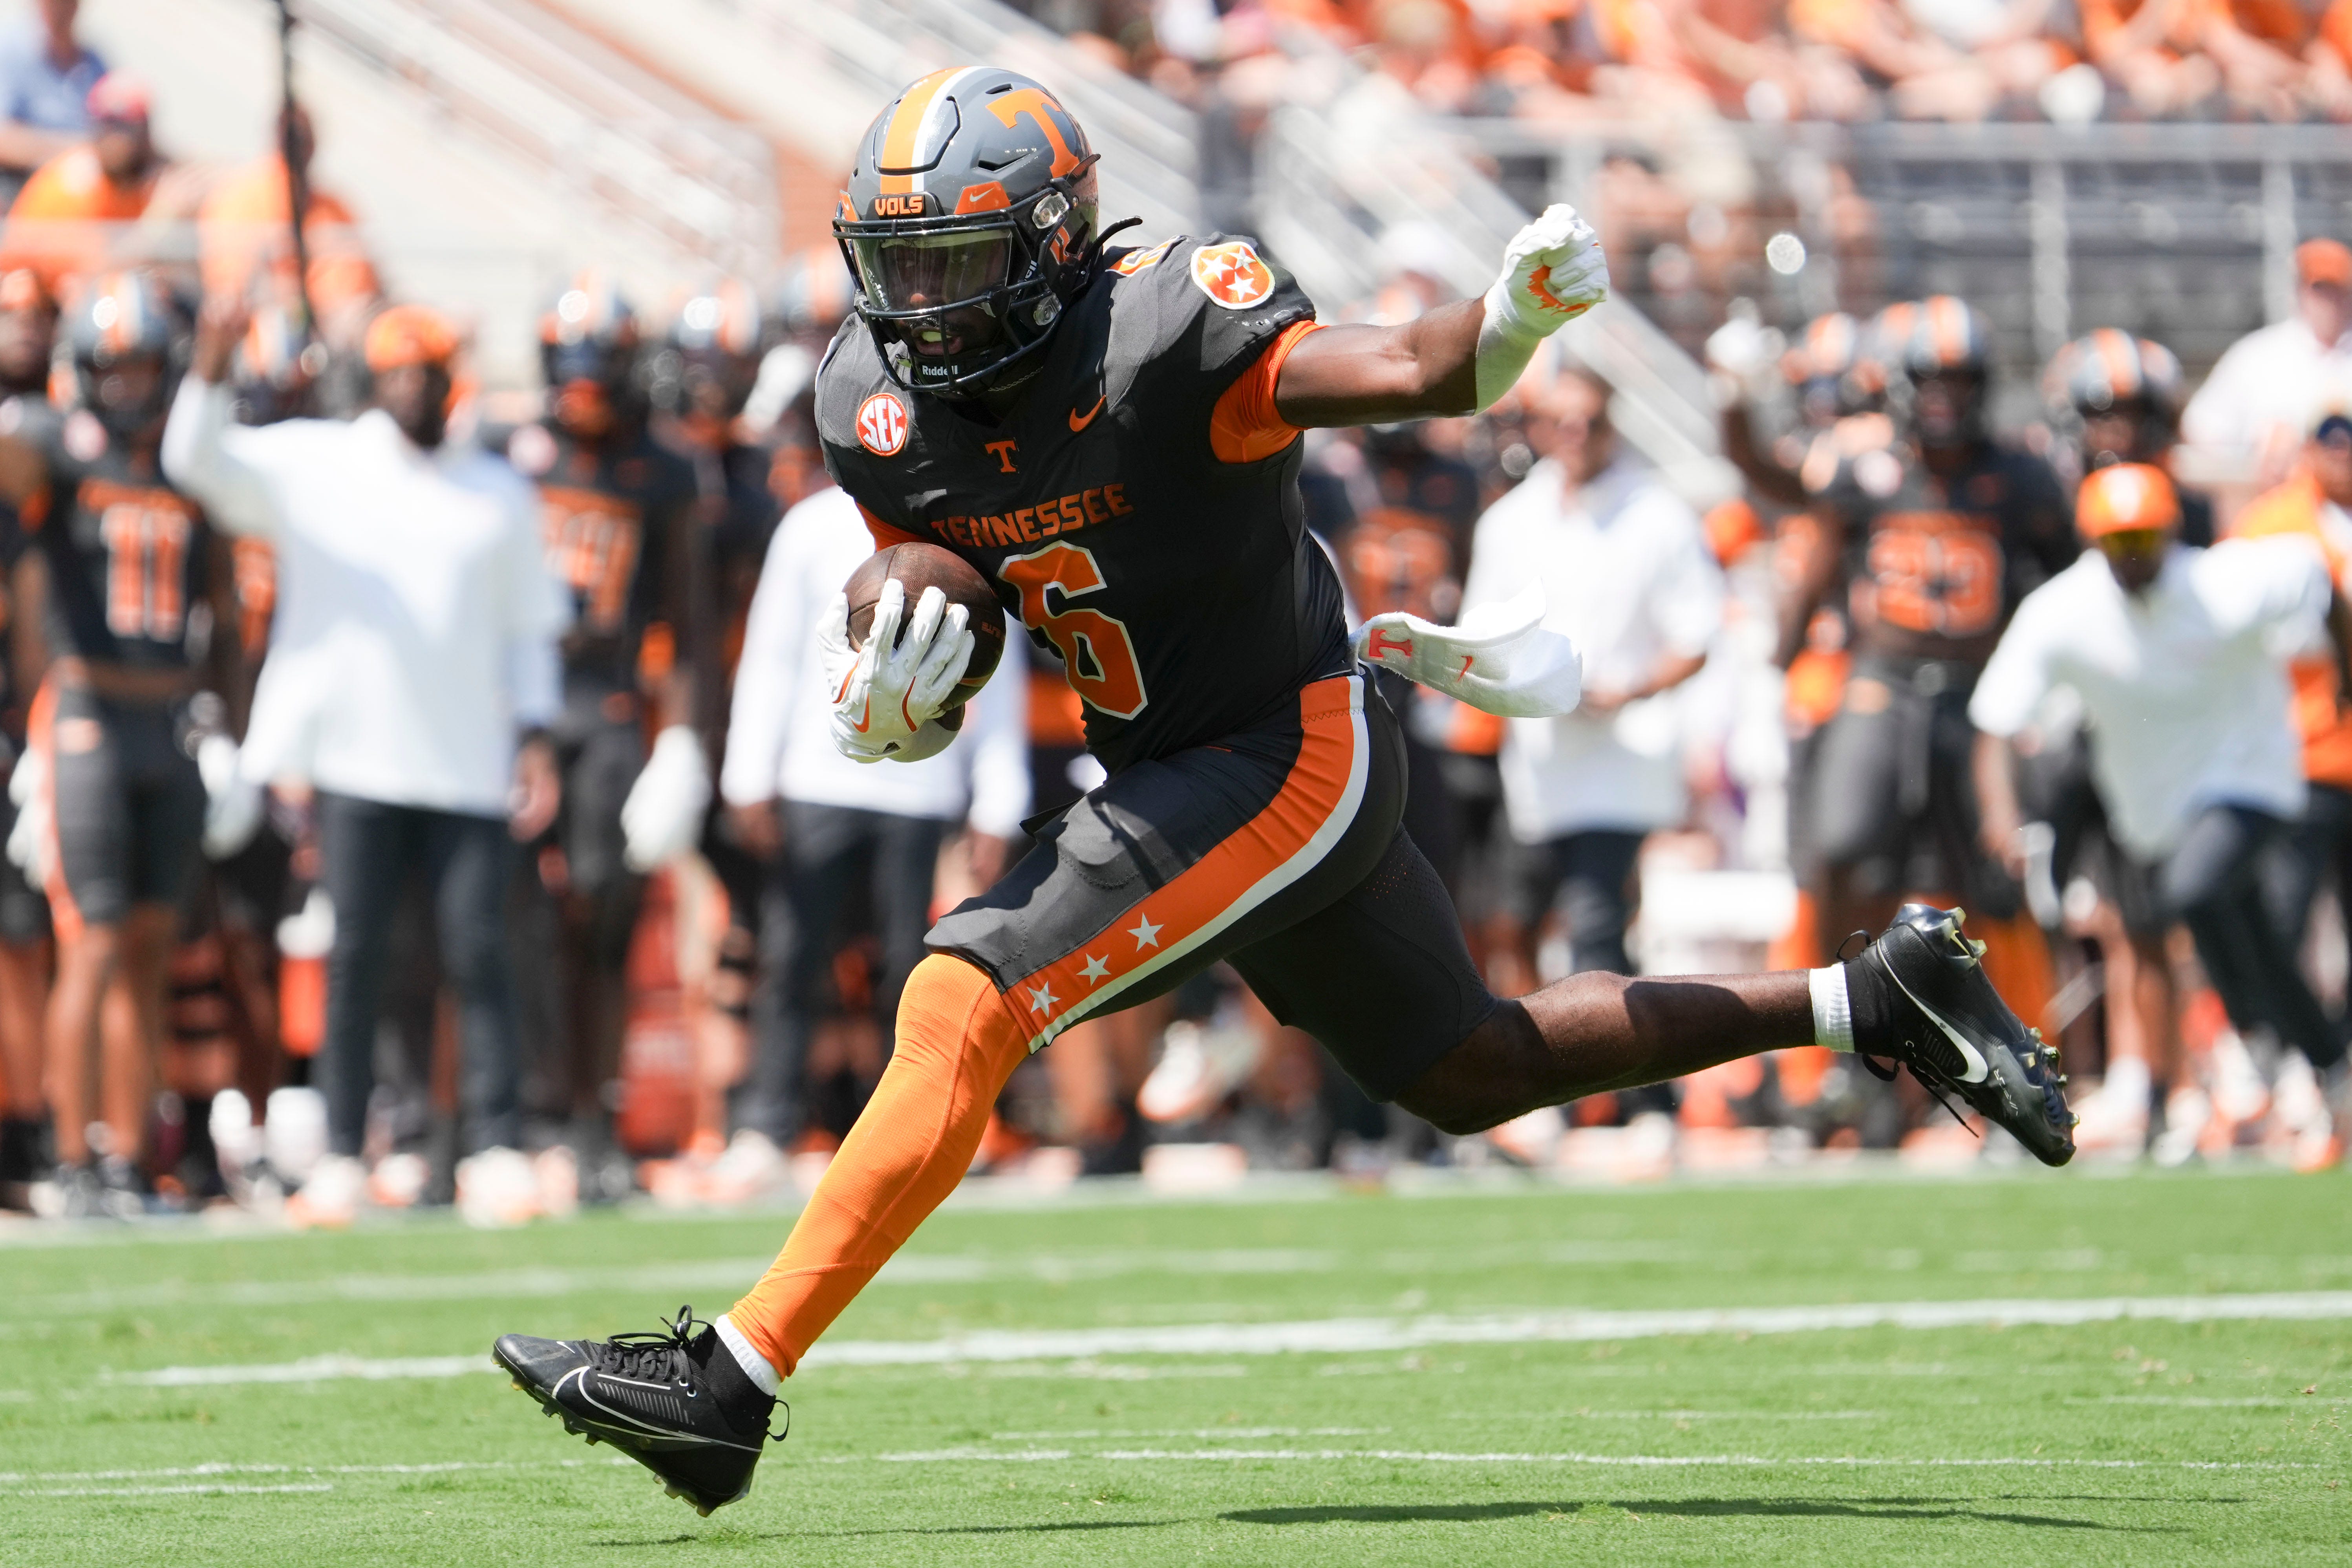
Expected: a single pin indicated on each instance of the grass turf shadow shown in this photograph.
(731, 1534)
(1894, 1507)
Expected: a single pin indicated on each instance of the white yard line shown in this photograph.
(1339, 1336)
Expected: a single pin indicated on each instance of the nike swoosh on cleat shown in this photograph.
(1979, 1069)
(1079, 422)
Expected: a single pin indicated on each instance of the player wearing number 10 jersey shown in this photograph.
(1110, 434)
(1936, 537)
(118, 566)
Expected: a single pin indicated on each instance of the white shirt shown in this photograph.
(2186, 682)
(1626, 575)
(416, 622)
(779, 736)
(2263, 391)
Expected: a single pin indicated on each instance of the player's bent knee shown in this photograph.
(1494, 1074)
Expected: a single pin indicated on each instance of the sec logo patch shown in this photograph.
(1232, 275)
(882, 424)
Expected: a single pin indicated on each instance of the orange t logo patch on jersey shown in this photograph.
(882, 424)
(1232, 275)
(1004, 450)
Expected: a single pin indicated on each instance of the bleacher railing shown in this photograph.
(2182, 232)
(577, 112)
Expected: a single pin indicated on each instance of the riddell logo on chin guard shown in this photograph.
(882, 424)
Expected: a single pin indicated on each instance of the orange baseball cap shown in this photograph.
(411, 334)
(2123, 497)
(2323, 261)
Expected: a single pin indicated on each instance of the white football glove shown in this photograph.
(1553, 271)
(28, 841)
(233, 804)
(1499, 660)
(662, 818)
(888, 703)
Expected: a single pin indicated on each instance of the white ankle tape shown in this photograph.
(756, 1367)
(1832, 1008)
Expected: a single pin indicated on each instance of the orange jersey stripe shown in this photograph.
(41, 735)
(1246, 425)
(885, 536)
(1275, 849)
(905, 126)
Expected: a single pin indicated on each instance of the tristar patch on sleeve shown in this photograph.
(882, 424)
(1232, 275)
(1134, 261)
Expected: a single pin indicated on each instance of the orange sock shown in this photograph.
(958, 1043)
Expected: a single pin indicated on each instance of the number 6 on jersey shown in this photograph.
(1095, 648)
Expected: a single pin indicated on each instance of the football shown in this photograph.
(921, 566)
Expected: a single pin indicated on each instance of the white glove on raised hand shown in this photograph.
(888, 702)
(1499, 660)
(28, 841)
(662, 818)
(1553, 271)
(233, 804)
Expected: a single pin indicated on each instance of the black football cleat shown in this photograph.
(655, 1397)
(1956, 1034)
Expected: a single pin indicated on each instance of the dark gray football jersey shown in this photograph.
(1182, 593)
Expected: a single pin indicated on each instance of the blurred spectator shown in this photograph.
(73, 214)
(2249, 414)
(46, 75)
(2177, 657)
(244, 229)
(1625, 572)
(412, 676)
(825, 824)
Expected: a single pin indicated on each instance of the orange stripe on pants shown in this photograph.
(1318, 785)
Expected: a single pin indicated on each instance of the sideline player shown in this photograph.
(616, 508)
(117, 564)
(28, 325)
(1113, 436)
(1937, 537)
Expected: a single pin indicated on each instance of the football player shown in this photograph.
(703, 376)
(1111, 435)
(116, 571)
(2120, 397)
(28, 324)
(1936, 537)
(615, 506)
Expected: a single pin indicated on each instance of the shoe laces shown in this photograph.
(650, 1357)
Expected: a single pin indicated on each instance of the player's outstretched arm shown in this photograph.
(1457, 359)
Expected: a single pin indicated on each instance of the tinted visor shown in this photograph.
(924, 272)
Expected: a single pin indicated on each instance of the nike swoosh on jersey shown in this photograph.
(1979, 1069)
(1079, 422)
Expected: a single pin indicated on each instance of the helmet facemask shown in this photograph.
(956, 303)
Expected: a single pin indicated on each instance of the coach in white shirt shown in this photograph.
(2249, 416)
(2179, 656)
(1626, 575)
(814, 816)
(411, 668)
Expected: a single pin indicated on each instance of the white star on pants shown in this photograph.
(1147, 934)
(1096, 969)
(1041, 999)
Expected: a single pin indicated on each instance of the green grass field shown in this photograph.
(1454, 1394)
